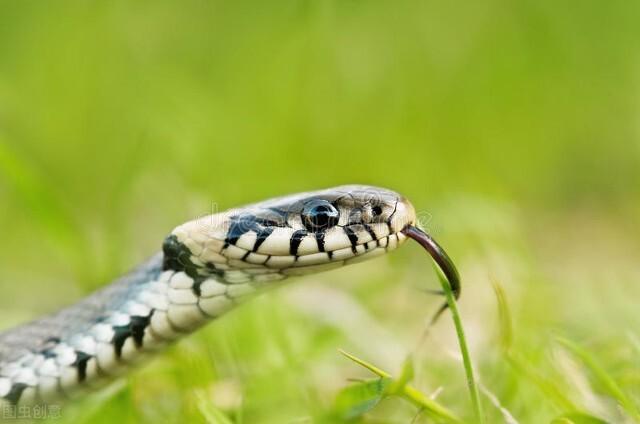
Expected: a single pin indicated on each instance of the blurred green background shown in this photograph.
(513, 127)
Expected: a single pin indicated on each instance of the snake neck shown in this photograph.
(109, 331)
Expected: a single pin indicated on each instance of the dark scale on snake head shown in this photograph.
(320, 240)
(296, 239)
(372, 233)
(240, 225)
(197, 282)
(353, 238)
(177, 257)
(172, 250)
(261, 236)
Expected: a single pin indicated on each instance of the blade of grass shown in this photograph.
(504, 317)
(544, 384)
(365, 364)
(600, 374)
(529, 371)
(577, 418)
(356, 400)
(464, 350)
(520, 364)
(506, 414)
(406, 375)
(410, 393)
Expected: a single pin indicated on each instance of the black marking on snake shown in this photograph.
(353, 239)
(135, 330)
(14, 394)
(240, 225)
(388, 221)
(296, 239)
(197, 282)
(197, 290)
(81, 364)
(137, 326)
(320, 240)
(52, 340)
(270, 222)
(48, 353)
(48, 345)
(211, 270)
(372, 233)
(261, 237)
(177, 257)
(389, 227)
(120, 336)
(222, 280)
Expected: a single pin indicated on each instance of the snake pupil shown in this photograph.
(319, 214)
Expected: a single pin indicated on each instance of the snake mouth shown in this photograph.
(298, 252)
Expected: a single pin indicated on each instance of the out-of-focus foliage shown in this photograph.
(513, 127)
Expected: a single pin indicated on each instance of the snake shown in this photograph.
(205, 268)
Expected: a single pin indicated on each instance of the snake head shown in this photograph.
(291, 235)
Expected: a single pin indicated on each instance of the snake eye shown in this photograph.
(319, 214)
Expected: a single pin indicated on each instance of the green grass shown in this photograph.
(464, 349)
(512, 127)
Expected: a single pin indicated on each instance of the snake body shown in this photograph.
(206, 267)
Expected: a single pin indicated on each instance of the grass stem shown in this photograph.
(464, 350)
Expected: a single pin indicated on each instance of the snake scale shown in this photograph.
(206, 267)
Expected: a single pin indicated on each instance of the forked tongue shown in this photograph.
(441, 258)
